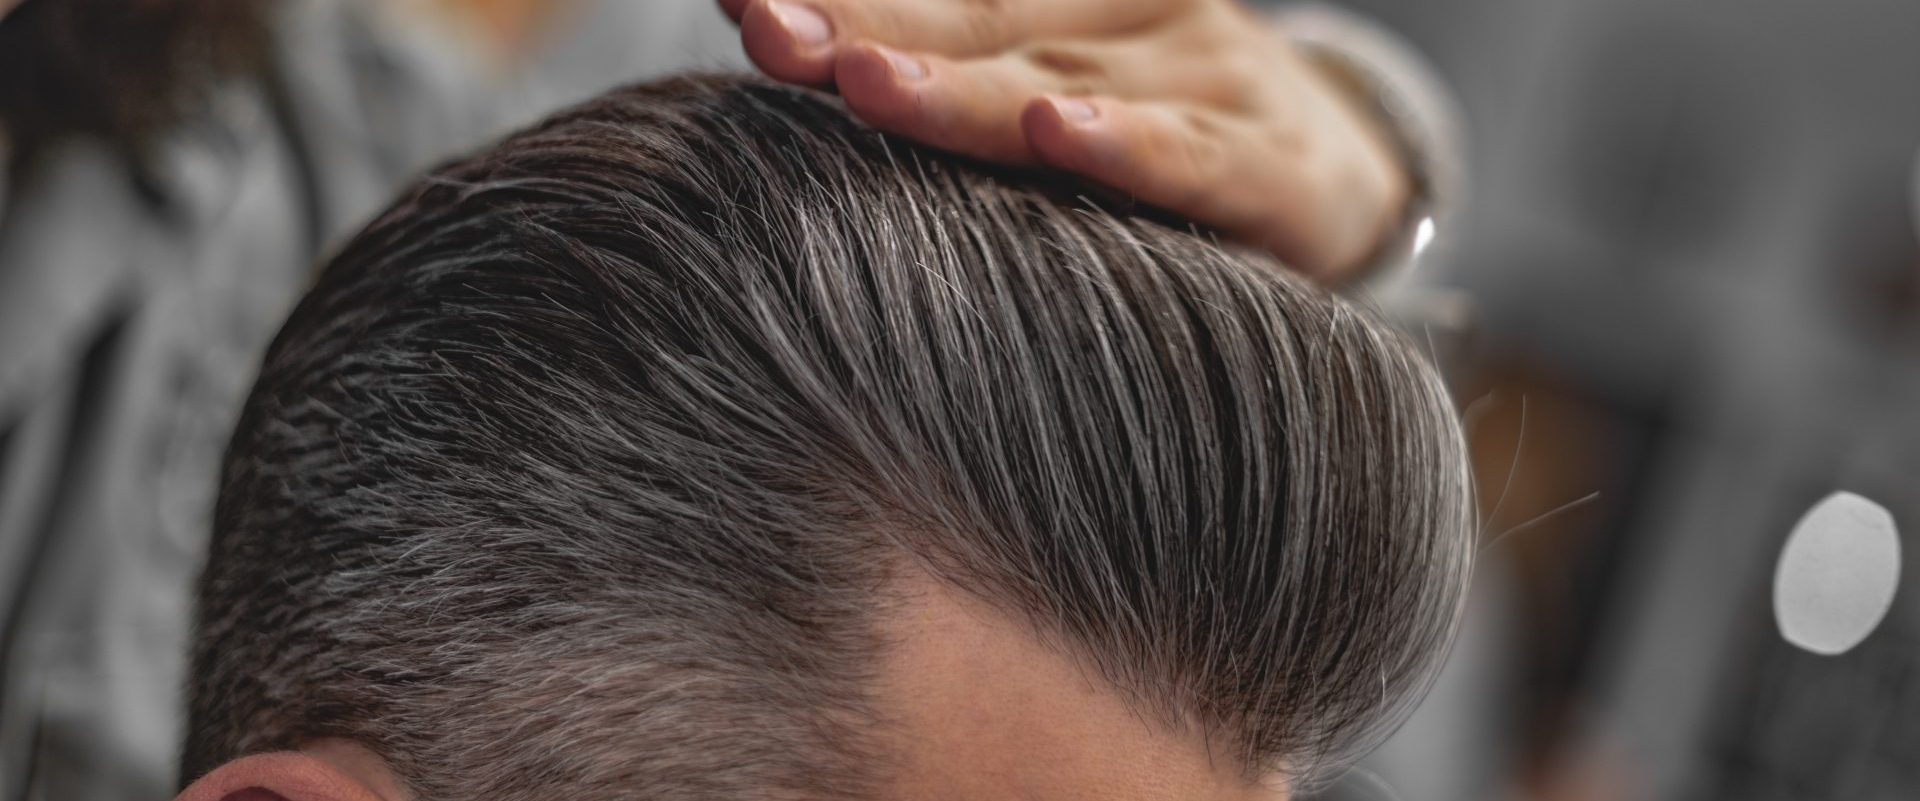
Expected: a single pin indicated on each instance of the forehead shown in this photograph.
(979, 708)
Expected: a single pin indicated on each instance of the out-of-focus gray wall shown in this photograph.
(1699, 216)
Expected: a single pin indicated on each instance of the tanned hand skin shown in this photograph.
(1199, 107)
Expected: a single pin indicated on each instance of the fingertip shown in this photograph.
(874, 65)
(1063, 130)
(789, 41)
(878, 82)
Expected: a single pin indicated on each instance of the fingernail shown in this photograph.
(1073, 109)
(804, 24)
(905, 67)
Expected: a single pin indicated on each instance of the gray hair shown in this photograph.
(584, 469)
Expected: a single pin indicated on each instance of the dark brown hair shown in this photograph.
(579, 471)
(119, 69)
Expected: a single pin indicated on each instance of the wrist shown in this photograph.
(1384, 81)
(1374, 180)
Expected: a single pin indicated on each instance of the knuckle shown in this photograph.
(1203, 157)
(1065, 61)
(1203, 127)
(1191, 158)
(1068, 69)
(1238, 80)
(1198, 144)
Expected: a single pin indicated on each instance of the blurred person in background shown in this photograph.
(171, 168)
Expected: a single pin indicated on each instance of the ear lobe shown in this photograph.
(284, 776)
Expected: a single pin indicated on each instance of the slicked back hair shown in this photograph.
(583, 471)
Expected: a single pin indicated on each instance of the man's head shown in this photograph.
(700, 443)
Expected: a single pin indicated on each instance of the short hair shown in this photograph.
(585, 468)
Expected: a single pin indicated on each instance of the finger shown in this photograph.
(970, 107)
(974, 106)
(962, 28)
(1151, 68)
(1213, 168)
(733, 9)
(795, 40)
(789, 41)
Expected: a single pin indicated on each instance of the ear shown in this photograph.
(284, 776)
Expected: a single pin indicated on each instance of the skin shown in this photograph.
(978, 706)
(1196, 106)
(987, 710)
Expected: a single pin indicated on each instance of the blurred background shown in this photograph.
(1692, 256)
(1689, 283)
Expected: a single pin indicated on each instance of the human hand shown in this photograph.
(1199, 107)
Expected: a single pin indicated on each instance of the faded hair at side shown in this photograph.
(580, 470)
